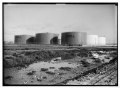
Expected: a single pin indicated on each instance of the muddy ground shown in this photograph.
(49, 67)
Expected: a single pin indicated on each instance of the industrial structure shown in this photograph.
(46, 38)
(101, 41)
(31, 40)
(73, 38)
(21, 39)
(92, 40)
(67, 38)
(59, 41)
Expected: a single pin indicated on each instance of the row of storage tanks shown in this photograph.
(67, 38)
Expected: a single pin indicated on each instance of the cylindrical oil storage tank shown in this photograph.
(31, 40)
(54, 40)
(46, 38)
(21, 39)
(73, 38)
(92, 40)
(101, 41)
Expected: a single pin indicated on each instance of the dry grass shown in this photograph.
(24, 58)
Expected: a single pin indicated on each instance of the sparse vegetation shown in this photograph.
(80, 63)
(8, 77)
(84, 53)
(24, 58)
(96, 60)
(85, 63)
(27, 57)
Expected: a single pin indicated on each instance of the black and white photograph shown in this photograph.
(60, 44)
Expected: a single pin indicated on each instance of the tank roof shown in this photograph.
(46, 33)
(23, 35)
(74, 32)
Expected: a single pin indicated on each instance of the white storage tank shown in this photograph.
(101, 41)
(92, 40)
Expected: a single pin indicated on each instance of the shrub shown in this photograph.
(50, 73)
(84, 53)
(97, 60)
(9, 57)
(84, 63)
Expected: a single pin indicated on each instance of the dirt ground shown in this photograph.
(42, 77)
(51, 67)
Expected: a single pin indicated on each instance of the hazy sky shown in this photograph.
(36, 18)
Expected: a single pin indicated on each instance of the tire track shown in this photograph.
(108, 73)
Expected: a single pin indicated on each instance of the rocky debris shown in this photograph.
(31, 73)
(44, 77)
(60, 73)
(25, 82)
(50, 73)
(65, 68)
(52, 67)
(44, 69)
(39, 79)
